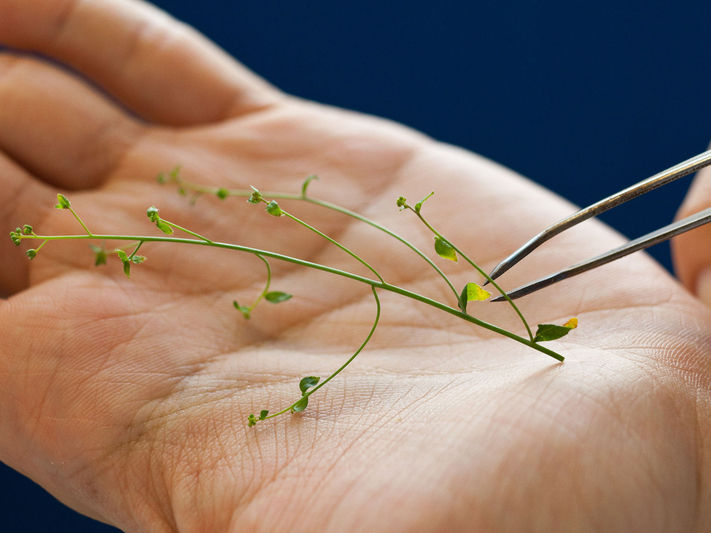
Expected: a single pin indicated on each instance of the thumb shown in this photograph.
(691, 251)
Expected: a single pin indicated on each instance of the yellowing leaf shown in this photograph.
(571, 324)
(476, 293)
(551, 332)
(470, 293)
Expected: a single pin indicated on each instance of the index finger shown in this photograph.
(163, 70)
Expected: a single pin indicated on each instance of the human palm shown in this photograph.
(127, 399)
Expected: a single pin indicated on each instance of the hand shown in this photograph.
(692, 255)
(127, 399)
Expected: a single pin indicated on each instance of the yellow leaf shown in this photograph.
(476, 293)
(572, 323)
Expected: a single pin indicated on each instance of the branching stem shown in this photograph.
(242, 193)
(477, 268)
(344, 365)
(317, 266)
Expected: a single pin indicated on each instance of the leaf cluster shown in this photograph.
(252, 420)
(128, 260)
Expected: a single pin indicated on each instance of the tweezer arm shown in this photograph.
(650, 239)
(658, 180)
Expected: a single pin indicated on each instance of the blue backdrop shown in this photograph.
(584, 98)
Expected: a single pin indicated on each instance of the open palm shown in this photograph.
(127, 399)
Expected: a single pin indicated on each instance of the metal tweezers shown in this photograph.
(667, 232)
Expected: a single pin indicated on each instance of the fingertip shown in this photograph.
(703, 286)
(691, 252)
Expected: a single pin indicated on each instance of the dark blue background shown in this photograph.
(583, 98)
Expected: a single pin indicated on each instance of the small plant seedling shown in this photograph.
(443, 248)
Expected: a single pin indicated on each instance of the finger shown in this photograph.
(57, 127)
(22, 200)
(692, 251)
(163, 70)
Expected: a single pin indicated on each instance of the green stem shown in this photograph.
(135, 250)
(480, 270)
(40, 246)
(185, 230)
(266, 286)
(327, 205)
(335, 242)
(309, 264)
(81, 222)
(344, 365)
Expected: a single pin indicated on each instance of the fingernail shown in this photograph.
(703, 287)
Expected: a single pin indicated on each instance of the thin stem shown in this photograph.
(335, 242)
(327, 205)
(308, 264)
(185, 230)
(266, 286)
(135, 250)
(479, 269)
(40, 246)
(344, 365)
(81, 222)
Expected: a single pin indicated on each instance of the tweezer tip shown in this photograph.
(502, 267)
(498, 269)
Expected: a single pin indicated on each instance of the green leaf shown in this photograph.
(300, 405)
(276, 297)
(251, 421)
(126, 262)
(62, 202)
(306, 183)
(308, 382)
(222, 193)
(99, 254)
(164, 226)
(418, 205)
(263, 414)
(246, 311)
(462, 300)
(274, 209)
(551, 332)
(152, 213)
(444, 249)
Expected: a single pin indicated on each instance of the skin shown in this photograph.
(127, 399)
